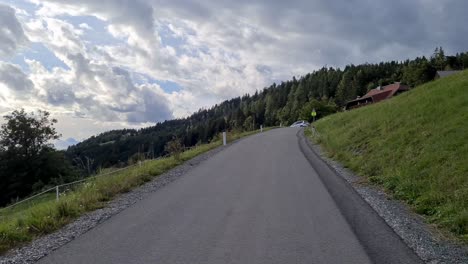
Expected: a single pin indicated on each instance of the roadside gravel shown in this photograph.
(429, 245)
(45, 245)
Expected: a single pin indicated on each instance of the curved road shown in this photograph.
(264, 199)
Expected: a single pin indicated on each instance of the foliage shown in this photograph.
(326, 89)
(439, 59)
(174, 148)
(27, 135)
(30, 220)
(414, 145)
(248, 124)
(322, 108)
(418, 72)
(28, 161)
(135, 158)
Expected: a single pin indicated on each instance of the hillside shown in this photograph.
(415, 145)
(326, 90)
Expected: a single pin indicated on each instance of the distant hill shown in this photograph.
(415, 145)
(326, 90)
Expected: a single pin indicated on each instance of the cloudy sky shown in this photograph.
(100, 65)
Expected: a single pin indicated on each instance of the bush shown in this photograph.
(174, 148)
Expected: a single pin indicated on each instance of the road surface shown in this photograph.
(258, 201)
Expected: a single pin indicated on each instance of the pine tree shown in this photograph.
(438, 59)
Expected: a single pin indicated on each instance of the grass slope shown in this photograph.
(415, 145)
(45, 215)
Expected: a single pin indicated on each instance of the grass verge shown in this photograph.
(414, 145)
(45, 215)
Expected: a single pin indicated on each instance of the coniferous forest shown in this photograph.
(326, 90)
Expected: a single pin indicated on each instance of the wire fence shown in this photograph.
(59, 190)
(50, 194)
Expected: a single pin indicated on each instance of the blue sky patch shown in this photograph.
(97, 35)
(25, 5)
(166, 85)
(168, 38)
(37, 51)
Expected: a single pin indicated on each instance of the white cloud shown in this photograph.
(11, 32)
(213, 50)
(81, 128)
(15, 79)
(60, 37)
(84, 26)
(15, 85)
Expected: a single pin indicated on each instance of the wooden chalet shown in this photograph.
(378, 94)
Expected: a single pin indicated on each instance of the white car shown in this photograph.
(301, 123)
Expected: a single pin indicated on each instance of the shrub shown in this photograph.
(174, 148)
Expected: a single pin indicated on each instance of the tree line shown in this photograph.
(28, 162)
(326, 90)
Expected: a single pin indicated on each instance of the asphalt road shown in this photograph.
(260, 200)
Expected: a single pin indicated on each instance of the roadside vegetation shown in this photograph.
(414, 145)
(45, 215)
(28, 162)
(29, 165)
(326, 90)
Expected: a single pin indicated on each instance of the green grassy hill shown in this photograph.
(415, 145)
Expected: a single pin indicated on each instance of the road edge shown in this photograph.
(42, 246)
(430, 246)
(379, 240)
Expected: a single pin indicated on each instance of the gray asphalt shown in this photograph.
(258, 201)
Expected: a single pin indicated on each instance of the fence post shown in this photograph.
(224, 138)
(57, 192)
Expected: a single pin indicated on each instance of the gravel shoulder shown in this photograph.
(43, 246)
(428, 245)
(432, 247)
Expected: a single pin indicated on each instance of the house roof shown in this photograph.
(382, 93)
(442, 74)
